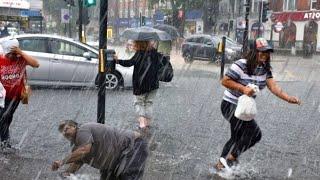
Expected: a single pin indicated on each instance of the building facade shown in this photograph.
(300, 19)
(21, 14)
(126, 14)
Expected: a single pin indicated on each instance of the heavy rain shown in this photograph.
(159, 89)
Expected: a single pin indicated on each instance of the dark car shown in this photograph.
(204, 47)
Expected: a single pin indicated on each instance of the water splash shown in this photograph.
(244, 171)
(289, 172)
(80, 177)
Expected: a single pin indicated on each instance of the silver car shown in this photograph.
(66, 62)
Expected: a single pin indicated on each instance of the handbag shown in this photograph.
(26, 91)
(165, 73)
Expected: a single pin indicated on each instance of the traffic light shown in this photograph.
(88, 3)
(265, 9)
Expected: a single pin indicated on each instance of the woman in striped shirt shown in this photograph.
(254, 69)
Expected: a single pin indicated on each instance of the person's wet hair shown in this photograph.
(142, 45)
(67, 122)
(252, 62)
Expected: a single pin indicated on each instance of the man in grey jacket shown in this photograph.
(118, 154)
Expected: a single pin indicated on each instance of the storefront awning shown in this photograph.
(295, 16)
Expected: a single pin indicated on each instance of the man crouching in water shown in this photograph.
(116, 153)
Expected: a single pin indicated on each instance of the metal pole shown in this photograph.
(223, 57)
(65, 29)
(271, 35)
(140, 19)
(69, 6)
(245, 34)
(260, 14)
(80, 19)
(102, 61)
(41, 27)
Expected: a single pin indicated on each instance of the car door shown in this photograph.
(69, 65)
(37, 47)
(199, 47)
(209, 48)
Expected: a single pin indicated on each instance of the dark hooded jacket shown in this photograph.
(145, 74)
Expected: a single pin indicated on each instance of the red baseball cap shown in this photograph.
(263, 45)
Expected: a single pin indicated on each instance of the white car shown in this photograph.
(66, 62)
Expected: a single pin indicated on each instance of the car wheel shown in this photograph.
(113, 81)
(188, 57)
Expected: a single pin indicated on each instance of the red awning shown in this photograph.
(295, 16)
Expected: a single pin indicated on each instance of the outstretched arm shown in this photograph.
(74, 167)
(74, 157)
(276, 90)
(126, 63)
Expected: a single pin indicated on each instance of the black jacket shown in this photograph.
(145, 74)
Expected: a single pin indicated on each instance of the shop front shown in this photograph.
(300, 29)
(194, 22)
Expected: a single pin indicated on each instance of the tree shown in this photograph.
(187, 5)
(184, 5)
(210, 14)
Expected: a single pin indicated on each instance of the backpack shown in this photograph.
(165, 73)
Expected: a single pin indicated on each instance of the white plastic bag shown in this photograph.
(247, 109)
(2, 95)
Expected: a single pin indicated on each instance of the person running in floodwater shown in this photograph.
(254, 69)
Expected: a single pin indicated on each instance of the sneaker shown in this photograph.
(7, 148)
(6, 144)
(232, 163)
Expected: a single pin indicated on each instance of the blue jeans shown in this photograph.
(6, 116)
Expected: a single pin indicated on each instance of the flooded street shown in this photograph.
(190, 130)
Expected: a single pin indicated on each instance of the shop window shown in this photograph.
(315, 5)
(288, 36)
(289, 5)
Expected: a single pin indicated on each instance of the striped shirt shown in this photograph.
(238, 73)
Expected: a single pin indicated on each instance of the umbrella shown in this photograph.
(168, 29)
(145, 34)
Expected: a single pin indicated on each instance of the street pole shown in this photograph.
(223, 57)
(103, 19)
(69, 7)
(140, 19)
(271, 35)
(65, 29)
(260, 14)
(80, 19)
(245, 34)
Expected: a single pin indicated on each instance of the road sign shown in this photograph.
(278, 27)
(65, 15)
